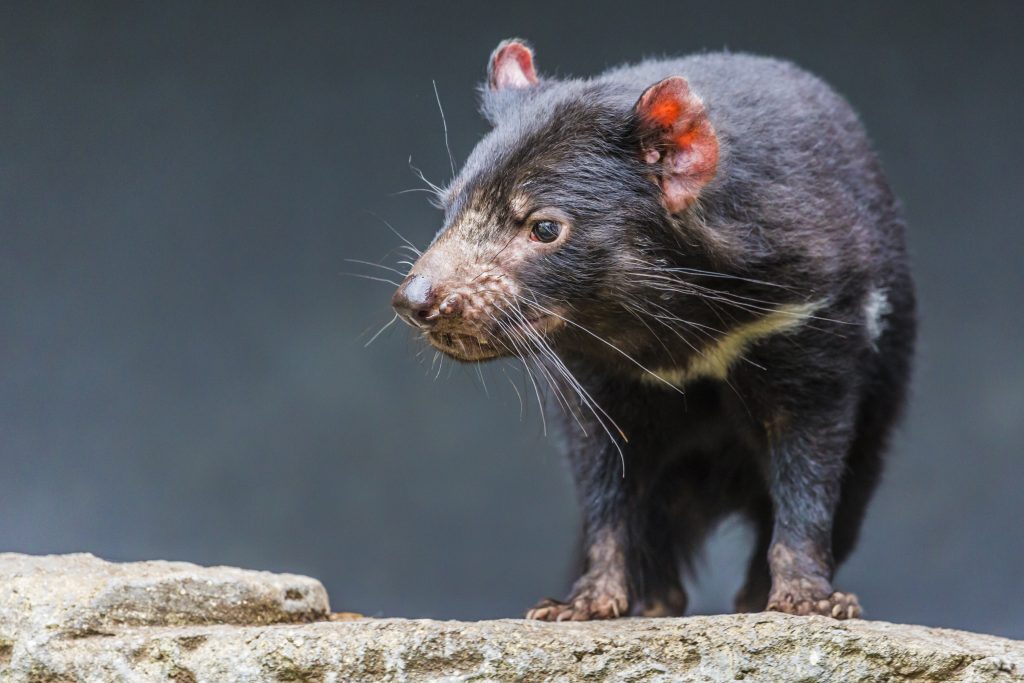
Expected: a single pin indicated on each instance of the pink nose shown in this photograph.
(414, 301)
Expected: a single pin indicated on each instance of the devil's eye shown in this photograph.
(545, 231)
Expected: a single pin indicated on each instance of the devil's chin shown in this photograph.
(485, 344)
(464, 347)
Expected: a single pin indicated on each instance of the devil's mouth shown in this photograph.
(491, 344)
(465, 347)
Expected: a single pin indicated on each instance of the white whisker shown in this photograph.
(444, 123)
(386, 326)
(371, 277)
(397, 234)
(376, 265)
(607, 343)
(518, 395)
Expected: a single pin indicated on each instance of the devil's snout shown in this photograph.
(421, 303)
(414, 301)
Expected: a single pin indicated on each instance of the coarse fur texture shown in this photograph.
(723, 321)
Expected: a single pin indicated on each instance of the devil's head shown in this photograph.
(555, 208)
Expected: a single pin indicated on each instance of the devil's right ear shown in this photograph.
(511, 66)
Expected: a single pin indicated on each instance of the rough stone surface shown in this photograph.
(81, 595)
(132, 636)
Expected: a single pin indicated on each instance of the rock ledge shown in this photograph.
(77, 618)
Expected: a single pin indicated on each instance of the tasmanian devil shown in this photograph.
(703, 267)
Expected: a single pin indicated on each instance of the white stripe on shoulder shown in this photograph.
(715, 360)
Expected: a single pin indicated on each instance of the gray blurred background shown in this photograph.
(182, 371)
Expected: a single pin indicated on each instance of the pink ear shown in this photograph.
(511, 66)
(677, 134)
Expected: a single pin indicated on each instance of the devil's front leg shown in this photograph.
(807, 460)
(629, 559)
(602, 592)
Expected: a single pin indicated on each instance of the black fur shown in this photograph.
(793, 436)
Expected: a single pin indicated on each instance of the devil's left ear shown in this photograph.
(676, 135)
(511, 66)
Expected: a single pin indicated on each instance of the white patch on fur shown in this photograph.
(715, 360)
(876, 307)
